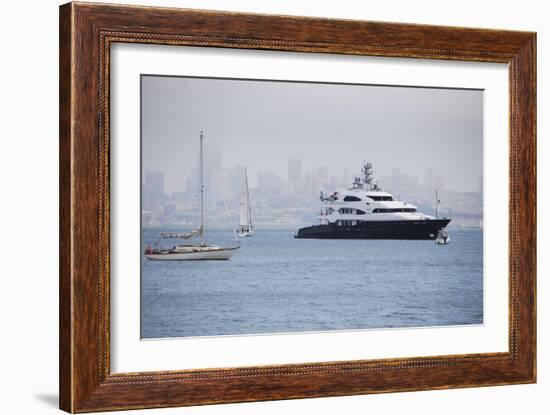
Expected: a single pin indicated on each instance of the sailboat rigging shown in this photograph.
(188, 252)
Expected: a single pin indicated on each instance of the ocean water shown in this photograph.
(275, 283)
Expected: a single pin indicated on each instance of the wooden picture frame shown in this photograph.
(86, 33)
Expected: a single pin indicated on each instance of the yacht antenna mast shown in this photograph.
(367, 175)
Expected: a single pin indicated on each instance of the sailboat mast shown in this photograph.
(202, 187)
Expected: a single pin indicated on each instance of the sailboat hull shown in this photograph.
(198, 254)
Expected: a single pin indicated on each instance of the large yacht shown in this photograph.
(365, 211)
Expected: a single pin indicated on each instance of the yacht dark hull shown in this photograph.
(405, 229)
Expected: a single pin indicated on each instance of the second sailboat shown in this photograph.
(246, 227)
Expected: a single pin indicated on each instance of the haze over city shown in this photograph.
(261, 125)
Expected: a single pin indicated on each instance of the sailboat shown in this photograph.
(191, 252)
(246, 228)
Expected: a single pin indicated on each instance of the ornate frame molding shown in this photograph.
(86, 33)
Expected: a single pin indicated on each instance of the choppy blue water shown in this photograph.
(276, 283)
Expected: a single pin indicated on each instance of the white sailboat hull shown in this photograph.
(194, 254)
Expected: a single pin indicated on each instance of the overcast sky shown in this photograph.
(261, 125)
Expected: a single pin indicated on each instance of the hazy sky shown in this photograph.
(261, 125)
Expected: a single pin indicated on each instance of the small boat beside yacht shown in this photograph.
(443, 238)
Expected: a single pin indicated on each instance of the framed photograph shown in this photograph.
(258, 207)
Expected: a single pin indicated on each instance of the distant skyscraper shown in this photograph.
(294, 174)
(322, 175)
(213, 158)
(269, 182)
(220, 183)
(154, 180)
(153, 190)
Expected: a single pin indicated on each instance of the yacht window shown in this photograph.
(351, 199)
(381, 210)
(381, 198)
(344, 222)
(349, 211)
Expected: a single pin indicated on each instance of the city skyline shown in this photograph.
(265, 179)
(214, 165)
(277, 202)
